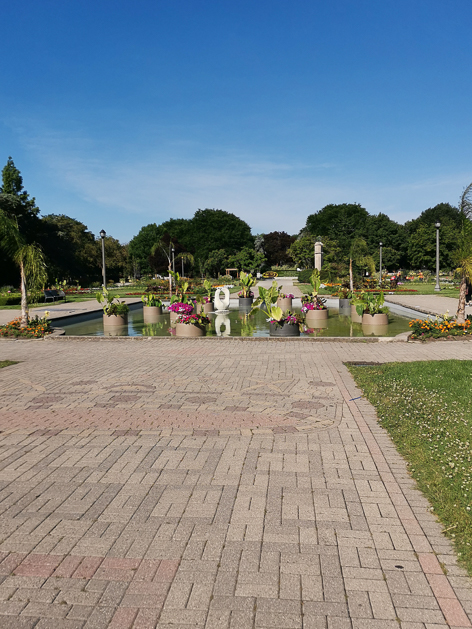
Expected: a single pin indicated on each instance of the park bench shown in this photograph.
(53, 295)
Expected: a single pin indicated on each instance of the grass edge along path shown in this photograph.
(426, 408)
(7, 363)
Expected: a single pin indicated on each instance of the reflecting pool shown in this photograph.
(234, 322)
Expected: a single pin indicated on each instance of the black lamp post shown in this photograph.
(104, 273)
(437, 287)
(380, 274)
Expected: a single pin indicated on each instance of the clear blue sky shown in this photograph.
(122, 113)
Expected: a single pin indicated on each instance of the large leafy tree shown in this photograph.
(341, 222)
(70, 248)
(211, 230)
(141, 245)
(275, 246)
(248, 259)
(381, 229)
(420, 234)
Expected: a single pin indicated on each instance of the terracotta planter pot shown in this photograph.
(377, 319)
(246, 302)
(314, 317)
(189, 330)
(115, 320)
(151, 314)
(288, 329)
(285, 304)
(354, 316)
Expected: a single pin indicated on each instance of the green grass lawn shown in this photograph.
(426, 407)
(7, 363)
(420, 288)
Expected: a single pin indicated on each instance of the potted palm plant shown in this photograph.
(191, 325)
(115, 313)
(152, 307)
(246, 296)
(313, 306)
(281, 323)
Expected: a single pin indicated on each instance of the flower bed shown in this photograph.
(441, 327)
(36, 328)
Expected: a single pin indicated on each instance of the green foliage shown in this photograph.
(210, 230)
(370, 303)
(275, 246)
(141, 245)
(151, 300)
(216, 263)
(302, 251)
(208, 286)
(247, 281)
(426, 407)
(7, 363)
(110, 304)
(341, 222)
(305, 276)
(247, 258)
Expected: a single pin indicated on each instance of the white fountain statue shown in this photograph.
(221, 305)
(220, 320)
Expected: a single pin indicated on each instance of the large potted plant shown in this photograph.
(372, 309)
(152, 308)
(345, 296)
(284, 301)
(246, 296)
(179, 308)
(281, 323)
(313, 306)
(191, 325)
(204, 303)
(115, 313)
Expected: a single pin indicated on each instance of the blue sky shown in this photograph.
(123, 113)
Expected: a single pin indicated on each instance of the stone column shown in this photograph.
(318, 255)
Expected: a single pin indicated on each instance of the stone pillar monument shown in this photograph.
(318, 255)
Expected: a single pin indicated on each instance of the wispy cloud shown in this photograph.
(269, 195)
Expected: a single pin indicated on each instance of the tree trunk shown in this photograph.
(460, 314)
(24, 297)
(351, 281)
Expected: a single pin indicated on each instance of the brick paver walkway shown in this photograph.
(225, 485)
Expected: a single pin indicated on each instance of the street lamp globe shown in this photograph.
(103, 234)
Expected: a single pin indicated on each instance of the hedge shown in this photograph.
(304, 276)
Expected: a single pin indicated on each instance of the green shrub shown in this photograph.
(305, 276)
(10, 300)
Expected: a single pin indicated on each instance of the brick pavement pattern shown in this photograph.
(228, 485)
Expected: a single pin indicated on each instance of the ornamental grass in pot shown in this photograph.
(115, 313)
(191, 325)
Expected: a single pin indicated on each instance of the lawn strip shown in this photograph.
(426, 407)
(7, 363)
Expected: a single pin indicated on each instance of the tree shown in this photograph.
(71, 249)
(28, 257)
(247, 260)
(359, 255)
(275, 246)
(302, 251)
(216, 263)
(342, 222)
(381, 229)
(211, 230)
(463, 253)
(141, 245)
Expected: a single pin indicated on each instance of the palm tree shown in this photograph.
(463, 254)
(28, 257)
